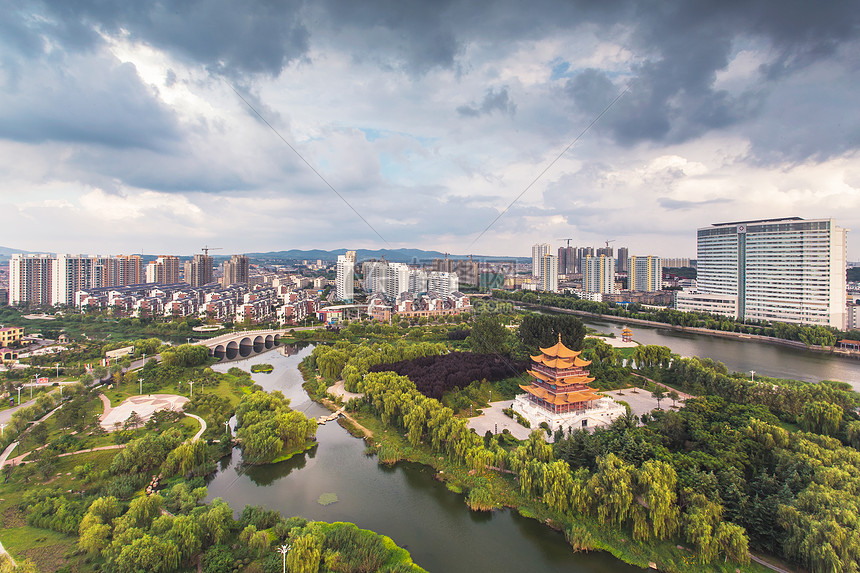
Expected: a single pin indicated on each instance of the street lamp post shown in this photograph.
(753, 375)
(227, 424)
(58, 370)
(140, 380)
(283, 550)
(19, 395)
(191, 391)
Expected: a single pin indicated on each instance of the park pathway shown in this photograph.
(5, 455)
(202, 426)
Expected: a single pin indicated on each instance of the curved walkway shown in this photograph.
(202, 426)
(5, 455)
(337, 389)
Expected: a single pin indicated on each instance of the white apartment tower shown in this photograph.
(346, 276)
(549, 273)
(645, 274)
(374, 276)
(417, 281)
(442, 284)
(396, 279)
(781, 270)
(598, 274)
(538, 251)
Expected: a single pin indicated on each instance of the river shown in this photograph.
(404, 502)
(744, 355)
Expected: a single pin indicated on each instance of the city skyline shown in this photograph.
(121, 130)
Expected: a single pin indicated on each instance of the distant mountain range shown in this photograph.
(6, 253)
(393, 255)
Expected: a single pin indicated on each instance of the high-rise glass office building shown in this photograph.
(780, 270)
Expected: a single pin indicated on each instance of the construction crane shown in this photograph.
(207, 248)
(568, 241)
(607, 243)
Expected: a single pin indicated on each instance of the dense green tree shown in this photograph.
(489, 335)
(542, 331)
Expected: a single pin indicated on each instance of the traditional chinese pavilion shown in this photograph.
(626, 335)
(560, 393)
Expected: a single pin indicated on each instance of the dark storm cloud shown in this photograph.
(226, 36)
(672, 97)
(92, 100)
(493, 101)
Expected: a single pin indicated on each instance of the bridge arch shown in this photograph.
(219, 352)
(259, 344)
(232, 350)
(246, 347)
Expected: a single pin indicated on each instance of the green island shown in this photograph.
(264, 368)
(739, 468)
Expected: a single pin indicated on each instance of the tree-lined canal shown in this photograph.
(744, 355)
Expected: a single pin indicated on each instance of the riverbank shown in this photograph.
(696, 330)
(489, 488)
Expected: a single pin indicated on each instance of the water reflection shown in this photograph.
(403, 501)
(745, 355)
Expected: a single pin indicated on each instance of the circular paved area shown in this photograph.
(145, 406)
(337, 389)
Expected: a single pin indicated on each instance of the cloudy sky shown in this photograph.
(134, 126)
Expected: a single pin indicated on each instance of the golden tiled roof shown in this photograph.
(559, 350)
(561, 399)
(566, 381)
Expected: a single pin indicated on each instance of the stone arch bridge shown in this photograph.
(245, 343)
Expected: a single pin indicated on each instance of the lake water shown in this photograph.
(404, 502)
(745, 355)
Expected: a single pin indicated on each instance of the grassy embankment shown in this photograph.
(490, 489)
(48, 549)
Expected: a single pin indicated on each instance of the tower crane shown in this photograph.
(568, 241)
(207, 248)
(610, 241)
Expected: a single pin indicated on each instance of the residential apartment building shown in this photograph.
(467, 271)
(53, 280)
(623, 260)
(598, 274)
(163, 270)
(198, 271)
(538, 251)
(581, 254)
(373, 273)
(442, 284)
(549, 273)
(566, 260)
(784, 270)
(644, 274)
(236, 271)
(345, 288)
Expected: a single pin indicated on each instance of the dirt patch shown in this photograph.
(49, 557)
(13, 517)
(353, 427)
